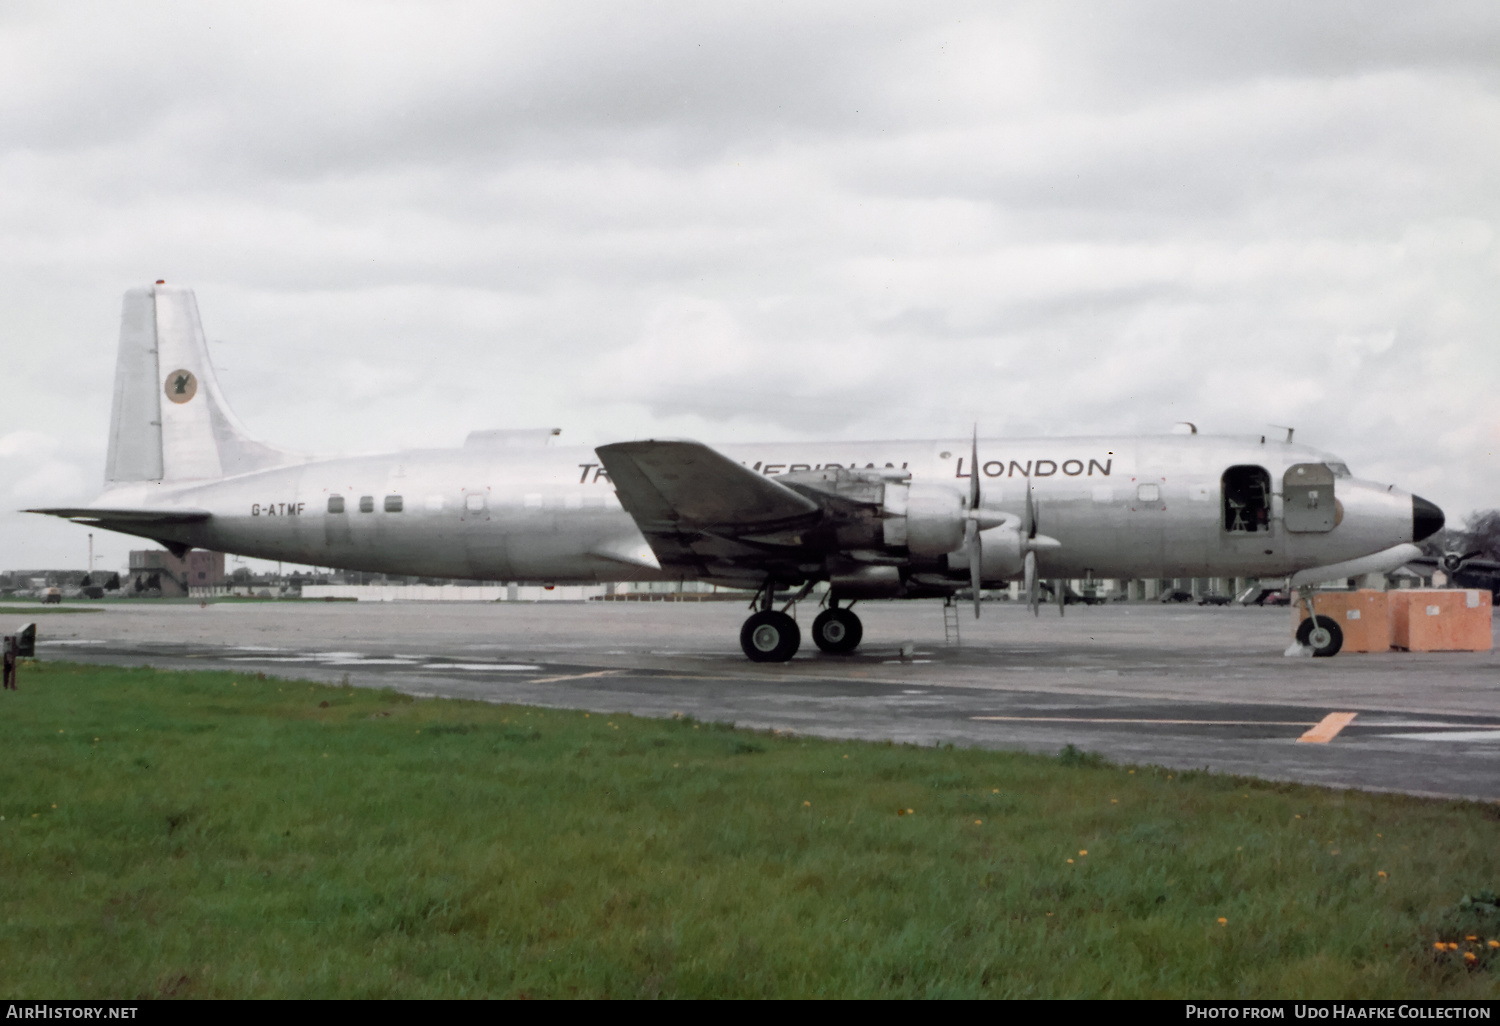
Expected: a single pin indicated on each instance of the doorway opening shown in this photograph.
(1247, 499)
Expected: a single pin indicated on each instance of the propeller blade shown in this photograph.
(974, 472)
(1031, 597)
(1062, 596)
(976, 561)
(1028, 516)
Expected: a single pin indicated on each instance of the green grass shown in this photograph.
(207, 834)
(39, 609)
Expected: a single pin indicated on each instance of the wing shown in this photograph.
(706, 515)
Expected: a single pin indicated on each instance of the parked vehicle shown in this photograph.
(1212, 599)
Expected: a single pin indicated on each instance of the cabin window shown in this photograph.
(393, 504)
(335, 504)
(1148, 493)
(1307, 498)
(1247, 499)
(367, 504)
(474, 502)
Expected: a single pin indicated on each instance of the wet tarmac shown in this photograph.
(1182, 687)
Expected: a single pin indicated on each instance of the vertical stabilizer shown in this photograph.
(170, 421)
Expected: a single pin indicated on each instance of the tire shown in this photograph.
(1329, 638)
(837, 631)
(770, 637)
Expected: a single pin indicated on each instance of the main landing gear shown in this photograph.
(837, 631)
(771, 636)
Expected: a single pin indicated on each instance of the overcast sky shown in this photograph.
(758, 221)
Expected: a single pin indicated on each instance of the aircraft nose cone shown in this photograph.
(1426, 519)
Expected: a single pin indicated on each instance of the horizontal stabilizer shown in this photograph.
(678, 484)
(138, 518)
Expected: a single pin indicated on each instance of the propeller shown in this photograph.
(978, 521)
(1453, 562)
(1028, 535)
(971, 525)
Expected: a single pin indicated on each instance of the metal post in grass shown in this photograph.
(12, 646)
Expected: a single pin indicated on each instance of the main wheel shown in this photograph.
(1325, 639)
(770, 637)
(837, 631)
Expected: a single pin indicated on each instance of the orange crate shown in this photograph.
(1441, 620)
(1364, 617)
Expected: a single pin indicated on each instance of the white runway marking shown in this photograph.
(574, 676)
(1491, 734)
(479, 666)
(1123, 719)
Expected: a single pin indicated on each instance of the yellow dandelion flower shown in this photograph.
(1452, 946)
(55, 806)
(846, 756)
(1470, 936)
(1132, 773)
(911, 812)
(1083, 851)
(1380, 873)
(979, 822)
(1070, 862)
(1114, 801)
(994, 790)
(1470, 957)
(1493, 943)
(1223, 921)
(1439, 945)
(806, 804)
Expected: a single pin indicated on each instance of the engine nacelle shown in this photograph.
(1002, 554)
(927, 519)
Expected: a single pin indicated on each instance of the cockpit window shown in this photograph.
(1339, 469)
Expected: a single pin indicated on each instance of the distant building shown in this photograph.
(157, 572)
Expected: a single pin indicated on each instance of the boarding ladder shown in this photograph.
(950, 621)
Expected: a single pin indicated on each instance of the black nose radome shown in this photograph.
(1426, 519)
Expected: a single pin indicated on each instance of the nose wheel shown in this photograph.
(1324, 637)
(837, 631)
(770, 637)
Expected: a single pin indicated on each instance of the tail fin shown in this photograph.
(170, 421)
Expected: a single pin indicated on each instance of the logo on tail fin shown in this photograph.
(181, 386)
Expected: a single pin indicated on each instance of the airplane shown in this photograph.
(875, 520)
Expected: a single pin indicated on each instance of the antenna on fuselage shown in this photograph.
(1289, 431)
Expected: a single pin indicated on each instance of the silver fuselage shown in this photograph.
(549, 514)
